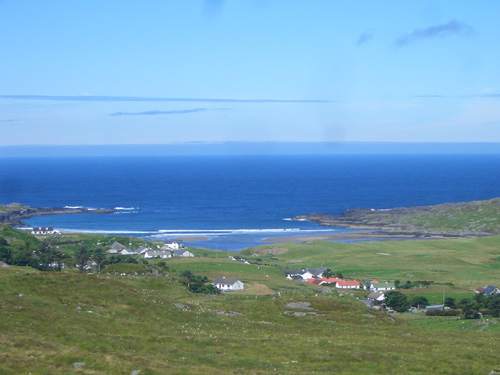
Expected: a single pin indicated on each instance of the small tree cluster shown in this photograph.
(397, 301)
(198, 284)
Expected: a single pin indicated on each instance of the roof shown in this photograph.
(480, 289)
(435, 307)
(375, 295)
(331, 280)
(117, 246)
(348, 283)
(367, 302)
(489, 289)
(179, 252)
(384, 285)
(316, 271)
(225, 280)
(313, 271)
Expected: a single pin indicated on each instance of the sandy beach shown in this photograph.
(353, 236)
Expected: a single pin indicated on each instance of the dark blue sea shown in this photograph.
(237, 201)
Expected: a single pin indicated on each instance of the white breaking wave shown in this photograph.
(126, 208)
(199, 232)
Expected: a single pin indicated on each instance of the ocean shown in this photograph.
(237, 201)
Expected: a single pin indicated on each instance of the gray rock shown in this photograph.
(181, 306)
(135, 372)
(78, 364)
(299, 305)
(295, 313)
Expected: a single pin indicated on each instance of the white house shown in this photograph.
(164, 254)
(347, 285)
(183, 254)
(127, 251)
(227, 284)
(376, 296)
(116, 248)
(305, 274)
(174, 245)
(383, 287)
(43, 231)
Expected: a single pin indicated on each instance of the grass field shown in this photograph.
(465, 263)
(120, 321)
(48, 321)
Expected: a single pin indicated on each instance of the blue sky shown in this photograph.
(161, 72)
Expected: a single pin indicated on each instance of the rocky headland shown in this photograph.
(13, 214)
(463, 219)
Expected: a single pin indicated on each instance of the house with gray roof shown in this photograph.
(305, 273)
(182, 254)
(226, 284)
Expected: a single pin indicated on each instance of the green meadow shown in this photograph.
(460, 262)
(124, 319)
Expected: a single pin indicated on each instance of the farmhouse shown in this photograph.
(305, 274)
(174, 245)
(164, 254)
(182, 254)
(227, 284)
(370, 284)
(383, 286)
(376, 296)
(117, 247)
(491, 290)
(347, 284)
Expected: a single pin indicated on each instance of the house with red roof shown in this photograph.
(347, 284)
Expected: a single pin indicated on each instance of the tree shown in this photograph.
(5, 251)
(494, 305)
(419, 301)
(481, 299)
(82, 256)
(328, 273)
(339, 275)
(397, 301)
(59, 257)
(99, 256)
(469, 307)
(449, 302)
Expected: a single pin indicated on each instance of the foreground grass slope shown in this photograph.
(49, 320)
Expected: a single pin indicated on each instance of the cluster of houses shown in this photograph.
(315, 276)
(44, 231)
(170, 249)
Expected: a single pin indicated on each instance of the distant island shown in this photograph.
(463, 219)
(12, 214)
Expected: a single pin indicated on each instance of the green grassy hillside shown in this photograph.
(455, 261)
(50, 320)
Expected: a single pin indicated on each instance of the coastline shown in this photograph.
(368, 235)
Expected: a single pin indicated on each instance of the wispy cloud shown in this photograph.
(453, 27)
(175, 112)
(486, 96)
(364, 37)
(85, 98)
